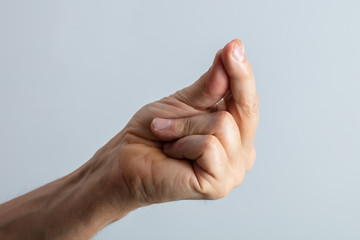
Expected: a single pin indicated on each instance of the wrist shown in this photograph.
(87, 197)
(73, 207)
(80, 205)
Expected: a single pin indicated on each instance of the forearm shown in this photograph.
(73, 207)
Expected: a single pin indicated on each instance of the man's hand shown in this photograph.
(195, 144)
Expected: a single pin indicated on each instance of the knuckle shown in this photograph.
(221, 191)
(220, 187)
(183, 127)
(224, 119)
(217, 195)
(210, 143)
(250, 105)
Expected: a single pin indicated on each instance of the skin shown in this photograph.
(197, 143)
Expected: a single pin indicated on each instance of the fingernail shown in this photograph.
(238, 52)
(161, 124)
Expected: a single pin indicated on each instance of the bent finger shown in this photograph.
(220, 124)
(205, 149)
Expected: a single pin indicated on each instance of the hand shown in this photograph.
(195, 144)
(201, 153)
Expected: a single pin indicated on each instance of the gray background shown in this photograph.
(72, 73)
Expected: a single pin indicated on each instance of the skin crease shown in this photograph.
(204, 153)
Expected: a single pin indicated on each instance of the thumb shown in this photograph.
(243, 103)
(208, 89)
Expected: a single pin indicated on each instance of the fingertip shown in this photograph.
(238, 68)
(233, 56)
(164, 129)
